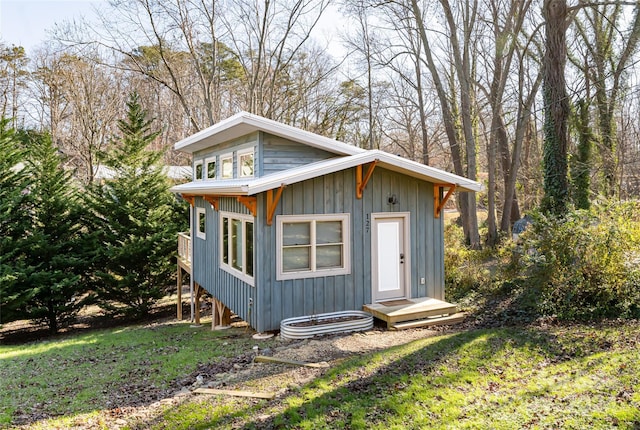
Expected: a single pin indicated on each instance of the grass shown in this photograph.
(582, 376)
(579, 377)
(108, 369)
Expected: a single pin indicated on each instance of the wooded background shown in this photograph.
(526, 96)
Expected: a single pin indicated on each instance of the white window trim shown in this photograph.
(195, 170)
(205, 168)
(227, 267)
(345, 218)
(239, 155)
(224, 157)
(203, 212)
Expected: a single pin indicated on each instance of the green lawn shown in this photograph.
(531, 377)
(118, 368)
(578, 378)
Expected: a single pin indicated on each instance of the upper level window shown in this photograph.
(227, 166)
(198, 170)
(236, 246)
(312, 245)
(201, 219)
(211, 167)
(245, 163)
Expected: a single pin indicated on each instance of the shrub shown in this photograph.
(581, 266)
(463, 267)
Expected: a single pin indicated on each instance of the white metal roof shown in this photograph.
(252, 186)
(172, 172)
(245, 123)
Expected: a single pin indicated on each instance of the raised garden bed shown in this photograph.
(328, 323)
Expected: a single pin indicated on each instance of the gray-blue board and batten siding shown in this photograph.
(271, 153)
(269, 301)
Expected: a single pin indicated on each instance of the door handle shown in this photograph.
(401, 258)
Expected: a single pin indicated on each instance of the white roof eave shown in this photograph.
(245, 123)
(219, 188)
(321, 168)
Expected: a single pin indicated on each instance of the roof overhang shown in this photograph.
(253, 186)
(245, 123)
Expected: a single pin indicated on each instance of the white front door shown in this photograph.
(389, 254)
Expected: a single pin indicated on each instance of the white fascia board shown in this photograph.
(245, 123)
(219, 187)
(427, 173)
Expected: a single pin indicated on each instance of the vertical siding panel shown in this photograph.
(261, 309)
(347, 287)
(432, 249)
(338, 194)
(439, 251)
(258, 159)
(329, 299)
(416, 234)
(422, 236)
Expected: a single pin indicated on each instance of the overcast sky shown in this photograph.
(25, 22)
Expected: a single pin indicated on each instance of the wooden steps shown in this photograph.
(427, 322)
(413, 313)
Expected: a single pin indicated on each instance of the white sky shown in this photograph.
(25, 22)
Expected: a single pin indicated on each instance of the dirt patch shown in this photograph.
(242, 373)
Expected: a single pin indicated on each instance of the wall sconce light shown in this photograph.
(392, 199)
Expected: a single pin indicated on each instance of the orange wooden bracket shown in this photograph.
(361, 182)
(250, 202)
(189, 198)
(272, 203)
(214, 200)
(438, 204)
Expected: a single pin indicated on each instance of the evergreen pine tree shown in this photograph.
(15, 204)
(56, 260)
(137, 221)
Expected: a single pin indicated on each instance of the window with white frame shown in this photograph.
(245, 163)
(197, 171)
(201, 220)
(211, 167)
(236, 245)
(312, 245)
(226, 161)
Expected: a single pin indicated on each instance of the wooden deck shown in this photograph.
(412, 313)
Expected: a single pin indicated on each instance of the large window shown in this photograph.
(312, 245)
(245, 163)
(236, 246)
(201, 219)
(227, 166)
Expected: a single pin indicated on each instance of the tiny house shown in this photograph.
(288, 223)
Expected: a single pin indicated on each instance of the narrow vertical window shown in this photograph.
(201, 220)
(245, 164)
(211, 168)
(249, 247)
(236, 244)
(225, 240)
(198, 170)
(227, 166)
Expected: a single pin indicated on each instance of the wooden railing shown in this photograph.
(184, 246)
